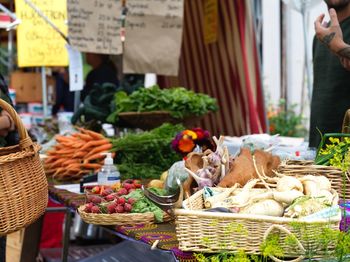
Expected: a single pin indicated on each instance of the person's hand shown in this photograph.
(6, 123)
(345, 63)
(331, 35)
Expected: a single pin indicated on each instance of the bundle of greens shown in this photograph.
(148, 154)
(178, 101)
(143, 205)
(97, 104)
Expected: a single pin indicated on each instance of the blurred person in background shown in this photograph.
(331, 59)
(64, 98)
(103, 71)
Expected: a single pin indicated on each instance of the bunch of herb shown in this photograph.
(148, 154)
(143, 205)
(178, 101)
(332, 151)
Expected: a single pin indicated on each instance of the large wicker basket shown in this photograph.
(212, 232)
(24, 190)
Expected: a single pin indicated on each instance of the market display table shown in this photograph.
(164, 232)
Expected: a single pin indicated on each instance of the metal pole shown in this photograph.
(44, 90)
(76, 100)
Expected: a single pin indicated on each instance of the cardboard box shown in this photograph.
(28, 87)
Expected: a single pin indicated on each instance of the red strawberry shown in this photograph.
(111, 208)
(127, 186)
(107, 191)
(111, 197)
(121, 201)
(96, 190)
(127, 207)
(131, 200)
(95, 209)
(88, 207)
(122, 191)
(96, 199)
(119, 209)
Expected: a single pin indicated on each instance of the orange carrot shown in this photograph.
(105, 147)
(80, 154)
(93, 134)
(84, 137)
(95, 143)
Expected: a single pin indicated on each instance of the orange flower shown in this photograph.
(186, 145)
(189, 133)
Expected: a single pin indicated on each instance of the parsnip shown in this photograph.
(215, 201)
(267, 207)
(287, 197)
(288, 183)
(243, 197)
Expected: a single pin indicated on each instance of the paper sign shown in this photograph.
(94, 26)
(210, 21)
(153, 36)
(76, 80)
(38, 44)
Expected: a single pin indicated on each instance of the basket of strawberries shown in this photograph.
(120, 204)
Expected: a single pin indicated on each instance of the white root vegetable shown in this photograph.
(288, 183)
(323, 183)
(267, 207)
(242, 198)
(310, 184)
(216, 201)
(287, 197)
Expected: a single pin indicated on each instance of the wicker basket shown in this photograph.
(150, 120)
(213, 232)
(335, 175)
(24, 189)
(119, 218)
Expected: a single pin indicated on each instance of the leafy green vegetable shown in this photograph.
(143, 205)
(158, 191)
(148, 154)
(178, 101)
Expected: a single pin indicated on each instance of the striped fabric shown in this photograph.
(227, 70)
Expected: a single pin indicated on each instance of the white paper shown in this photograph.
(76, 80)
(74, 188)
(153, 36)
(94, 26)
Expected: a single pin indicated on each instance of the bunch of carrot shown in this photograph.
(76, 155)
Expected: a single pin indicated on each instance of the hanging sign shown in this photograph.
(76, 78)
(94, 26)
(38, 44)
(210, 21)
(153, 36)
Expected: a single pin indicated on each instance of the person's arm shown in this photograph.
(332, 36)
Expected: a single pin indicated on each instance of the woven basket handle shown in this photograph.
(281, 228)
(346, 122)
(25, 140)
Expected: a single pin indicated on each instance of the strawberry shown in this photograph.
(127, 207)
(122, 191)
(119, 209)
(121, 201)
(95, 190)
(131, 200)
(106, 191)
(95, 209)
(111, 208)
(96, 199)
(88, 207)
(111, 197)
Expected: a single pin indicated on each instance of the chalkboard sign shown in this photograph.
(94, 26)
(38, 43)
(153, 36)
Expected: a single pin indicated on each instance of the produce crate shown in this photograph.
(213, 232)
